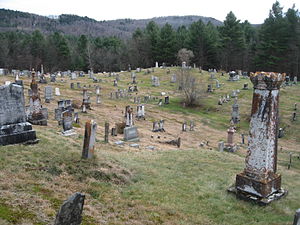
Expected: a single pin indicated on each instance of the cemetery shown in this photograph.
(134, 161)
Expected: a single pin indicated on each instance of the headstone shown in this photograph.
(245, 86)
(259, 179)
(67, 122)
(156, 64)
(297, 217)
(192, 125)
(167, 100)
(129, 116)
(221, 146)
(78, 85)
(209, 88)
(57, 92)
(89, 139)
(218, 84)
(85, 100)
(184, 126)
(71, 210)
(173, 78)
(52, 78)
(76, 118)
(72, 85)
(106, 132)
(13, 126)
(230, 145)
(131, 134)
(48, 94)
(295, 80)
(36, 113)
(73, 76)
(115, 83)
(235, 115)
(140, 112)
(280, 133)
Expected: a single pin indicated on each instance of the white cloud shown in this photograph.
(254, 11)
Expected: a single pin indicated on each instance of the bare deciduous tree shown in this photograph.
(185, 55)
(191, 87)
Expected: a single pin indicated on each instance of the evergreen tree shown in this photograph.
(232, 39)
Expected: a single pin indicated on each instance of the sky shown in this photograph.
(255, 11)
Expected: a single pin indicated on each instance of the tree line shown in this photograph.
(272, 46)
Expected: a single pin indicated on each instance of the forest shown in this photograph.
(234, 45)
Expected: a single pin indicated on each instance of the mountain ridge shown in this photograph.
(11, 20)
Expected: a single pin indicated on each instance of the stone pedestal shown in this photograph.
(259, 180)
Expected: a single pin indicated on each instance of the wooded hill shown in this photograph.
(76, 25)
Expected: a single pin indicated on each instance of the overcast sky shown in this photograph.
(255, 11)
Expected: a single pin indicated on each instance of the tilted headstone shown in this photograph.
(259, 179)
(13, 126)
(70, 212)
(89, 139)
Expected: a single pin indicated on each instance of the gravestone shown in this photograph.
(106, 132)
(78, 85)
(52, 78)
(295, 80)
(57, 92)
(155, 81)
(235, 115)
(89, 139)
(131, 134)
(140, 112)
(173, 78)
(230, 145)
(209, 88)
(13, 126)
(86, 104)
(73, 76)
(71, 210)
(245, 86)
(67, 122)
(184, 126)
(167, 100)
(48, 94)
(221, 146)
(129, 116)
(76, 118)
(259, 181)
(218, 84)
(192, 125)
(72, 85)
(297, 217)
(156, 64)
(37, 115)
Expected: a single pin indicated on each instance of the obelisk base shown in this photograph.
(260, 191)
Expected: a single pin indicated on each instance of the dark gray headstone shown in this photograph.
(70, 212)
(13, 126)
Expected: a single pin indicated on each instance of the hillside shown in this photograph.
(75, 25)
(161, 185)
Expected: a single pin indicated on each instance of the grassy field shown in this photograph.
(125, 185)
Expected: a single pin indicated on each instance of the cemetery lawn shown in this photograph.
(167, 185)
